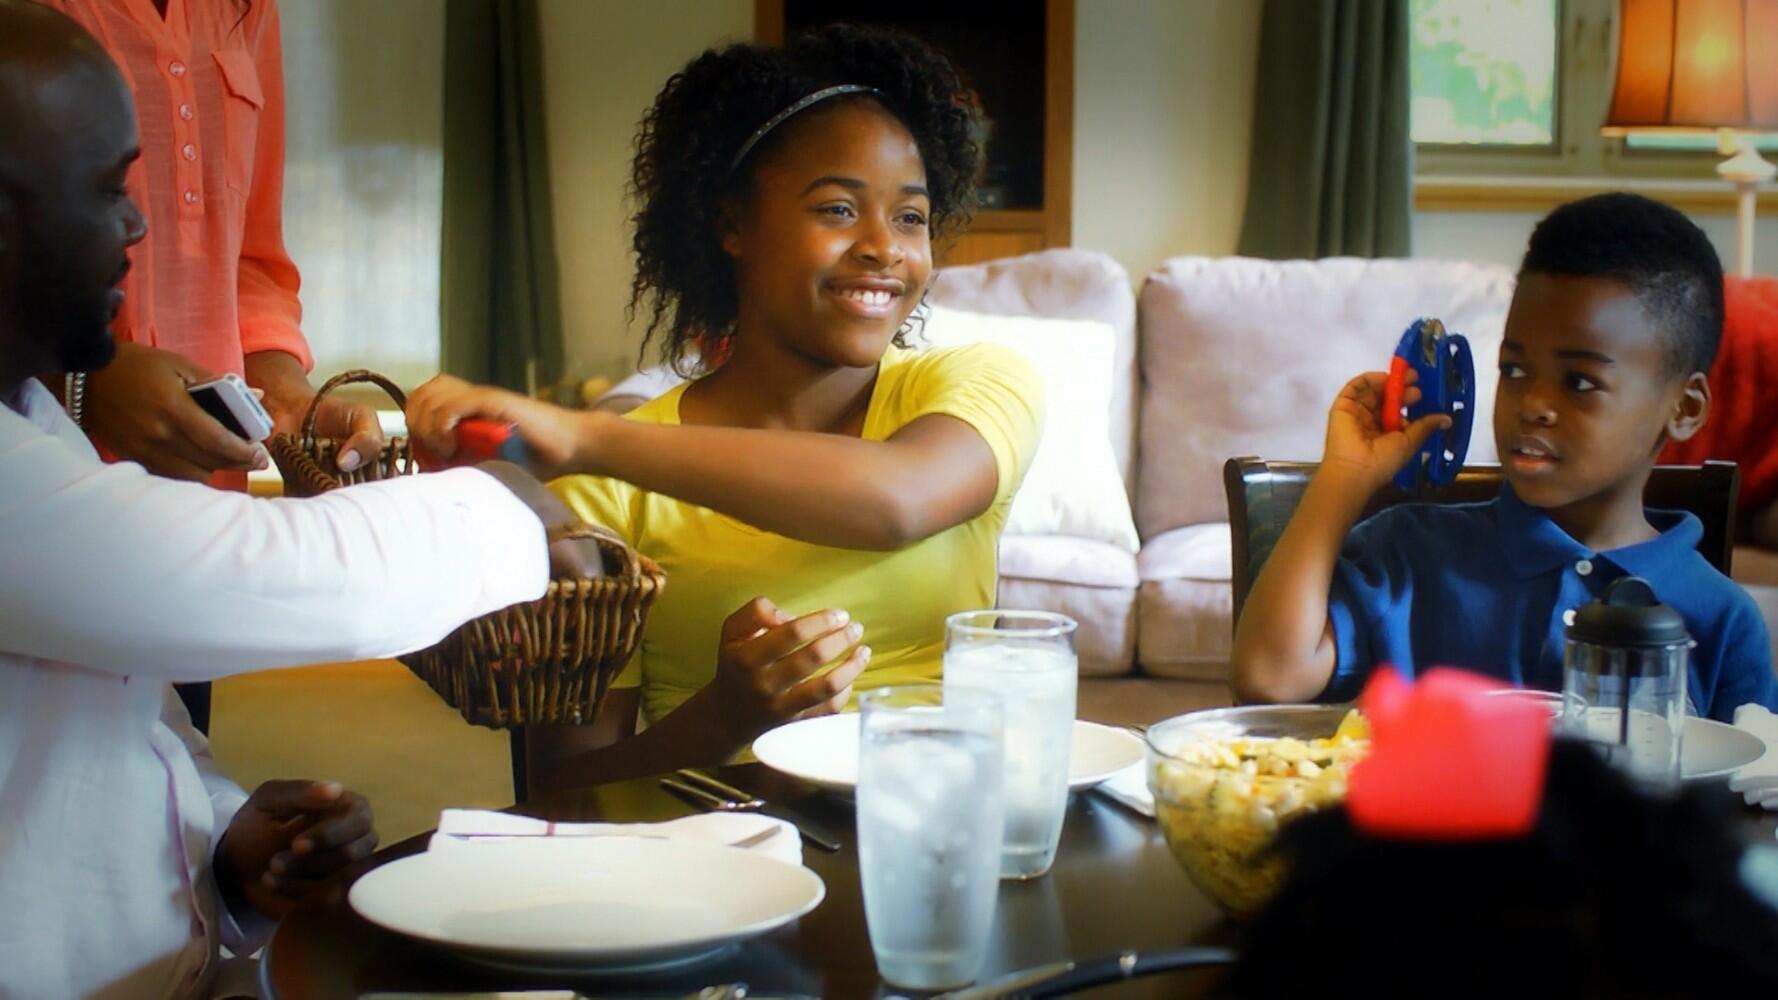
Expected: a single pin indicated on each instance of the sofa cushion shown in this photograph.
(1061, 284)
(1185, 629)
(1195, 552)
(1091, 582)
(1184, 610)
(1244, 357)
(1073, 486)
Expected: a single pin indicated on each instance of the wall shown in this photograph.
(1163, 108)
(603, 62)
(1501, 236)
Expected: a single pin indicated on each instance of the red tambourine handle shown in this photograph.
(478, 440)
(1394, 391)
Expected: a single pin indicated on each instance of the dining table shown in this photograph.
(1115, 887)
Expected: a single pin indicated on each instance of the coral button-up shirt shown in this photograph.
(212, 281)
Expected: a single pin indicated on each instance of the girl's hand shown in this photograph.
(767, 664)
(551, 433)
(1358, 446)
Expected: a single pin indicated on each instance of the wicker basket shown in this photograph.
(307, 463)
(549, 660)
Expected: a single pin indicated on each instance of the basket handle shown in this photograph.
(344, 378)
(631, 568)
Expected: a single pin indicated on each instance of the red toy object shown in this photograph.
(1449, 761)
(1394, 391)
(478, 440)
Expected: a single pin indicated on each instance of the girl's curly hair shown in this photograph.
(680, 178)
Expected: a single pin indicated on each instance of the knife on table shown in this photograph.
(727, 991)
(1063, 978)
(712, 793)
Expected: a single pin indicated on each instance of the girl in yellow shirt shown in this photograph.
(823, 497)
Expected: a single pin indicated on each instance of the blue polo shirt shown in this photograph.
(1488, 586)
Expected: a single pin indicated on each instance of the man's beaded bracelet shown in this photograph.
(74, 397)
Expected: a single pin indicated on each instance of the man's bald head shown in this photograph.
(50, 68)
(67, 139)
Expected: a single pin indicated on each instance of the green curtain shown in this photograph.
(499, 309)
(1332, 162)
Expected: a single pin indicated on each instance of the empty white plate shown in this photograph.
(610, 904)
(1712, 751)
(1709, 751)
(824, 752)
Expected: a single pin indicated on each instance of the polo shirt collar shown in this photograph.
(1534, 544)
(1660, 558)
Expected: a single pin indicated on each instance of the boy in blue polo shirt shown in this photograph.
(1613, 325)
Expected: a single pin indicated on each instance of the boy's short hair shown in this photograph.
(1662, 256)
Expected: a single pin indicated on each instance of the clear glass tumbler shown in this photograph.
(1026, 658)
(929, 829)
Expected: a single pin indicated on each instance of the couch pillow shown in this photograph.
(1073, 487)
(1059, 283)
(1244, 357)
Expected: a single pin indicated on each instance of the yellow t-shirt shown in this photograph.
(715, 563)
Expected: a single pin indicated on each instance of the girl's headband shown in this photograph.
(785, 115)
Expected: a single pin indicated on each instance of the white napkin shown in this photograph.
(1129, 788)
(1758, 781)
(459, 828)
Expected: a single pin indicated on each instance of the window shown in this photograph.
(363, 176)
(1517, 89)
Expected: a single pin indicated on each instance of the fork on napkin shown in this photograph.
(1758, 781)
(459, 828)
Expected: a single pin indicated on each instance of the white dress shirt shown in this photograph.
(114, 583)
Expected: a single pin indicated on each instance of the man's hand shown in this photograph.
(768, 663)
(1356, 442)
(287, 839)
(137, 407)
(288, 395)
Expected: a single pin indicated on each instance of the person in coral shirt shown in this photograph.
(212, 289)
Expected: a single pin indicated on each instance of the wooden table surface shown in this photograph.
(1115, 886)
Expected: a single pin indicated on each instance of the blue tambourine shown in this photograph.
(1447, 385)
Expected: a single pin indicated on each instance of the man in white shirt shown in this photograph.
(124, 857)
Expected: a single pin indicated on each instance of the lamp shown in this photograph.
(1702, 66)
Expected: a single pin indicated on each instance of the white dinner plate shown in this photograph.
(1712, 751)
(1709, 751)
(823, 751)
(598, 904)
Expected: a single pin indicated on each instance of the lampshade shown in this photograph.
(1696, 64)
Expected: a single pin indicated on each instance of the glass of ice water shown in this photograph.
(929, 825)
(1027, 659)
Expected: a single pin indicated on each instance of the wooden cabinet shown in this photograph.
(1019, 57)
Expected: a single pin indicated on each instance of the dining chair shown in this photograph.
(1262, 495)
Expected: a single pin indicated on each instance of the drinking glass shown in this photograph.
(1027, 659)
(929, 829)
